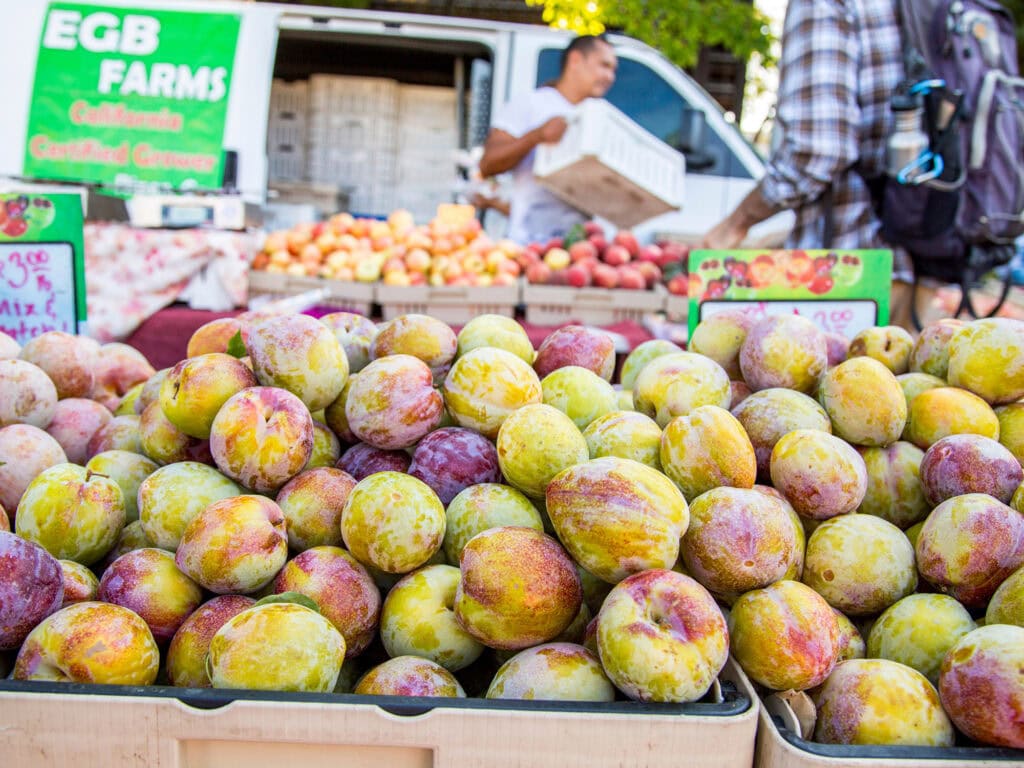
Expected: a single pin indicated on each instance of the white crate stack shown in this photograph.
(286, 130)
(427, 141)
(353, 124)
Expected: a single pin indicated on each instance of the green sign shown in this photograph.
(129, 94)
(42, 264)
(842, 291)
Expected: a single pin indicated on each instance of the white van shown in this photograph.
(479, 65)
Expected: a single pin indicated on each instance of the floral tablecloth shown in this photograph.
(130, 274)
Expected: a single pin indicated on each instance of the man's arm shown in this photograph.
(503, 151)
(732, 230)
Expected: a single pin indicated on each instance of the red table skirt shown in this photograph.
(163, 337)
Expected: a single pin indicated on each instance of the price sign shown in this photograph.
(42, 273)
(841, 291)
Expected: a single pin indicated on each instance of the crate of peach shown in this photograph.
(452, 271)
(209, 575)
(585, 278)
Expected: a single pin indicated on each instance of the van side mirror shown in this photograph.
(693, 124)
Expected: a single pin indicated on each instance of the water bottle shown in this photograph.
(908, 140)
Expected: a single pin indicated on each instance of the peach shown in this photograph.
(5, 523)
(80, 583)
(311, 503)
(150, 392)
(148, 582)
(552, 672)
(392, 403)
(534, 444)
(487, 384)
(235, 545)
(335, 418)
(27, 396)
(67, 362)
(918, 631)
(171, 496)
(661, 637)
(195, 389)
(705, 449)
(617, 517)
(943, 411)
(75, 421)
(797, 567)
(860, 564)
(739, 391)
(421, 336)
(31, 588)
(418, 619)
(969, 545)
(72, 513)
(838, 347)
(90, 642)
(987, 358)
(579, 393)
(720, 337)
(118, 368)
(262, 437)
(821, 475)
(186, 655)
(496, 331)
(864, 402)
(363, 460)
(894, 491)
(877, 701)
(912, 385)
(121, 433)
(981, 686)
(213, 336)
(674, 384)
(890, 345)
(966, 463)
(326, 447)
(299, 354)
(409, 676)
(739, 540)
(784, 636)
(355, 333)
(627, 435)
(480, 507)
(518, 588)
(930, 353)
(1011, 428)
(589, 348)
(25, 451)
(132, 537)
(1007, 604)
(165, 444)
(342, 590)
(276, 647)
(392, 521)
(641, 355)
(784, 351)
(769, 414)
(126, 407)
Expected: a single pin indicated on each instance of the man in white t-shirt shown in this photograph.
(588, 71)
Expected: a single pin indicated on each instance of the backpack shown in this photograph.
(959, 208)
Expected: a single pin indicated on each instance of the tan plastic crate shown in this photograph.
(84, 730)
(342, 295)
(556, 304)
(677, 308)
(452, 304)
(785, 749)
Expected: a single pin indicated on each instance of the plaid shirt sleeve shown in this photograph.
(818, 111)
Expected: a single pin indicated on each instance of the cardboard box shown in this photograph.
(606, 165)
(556, 304)
(59, 724)
(452, 304)
(779, 745)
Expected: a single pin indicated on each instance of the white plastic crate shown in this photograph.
(556, 304)
(286, 162)
(292, 97)
(340, 130)
(452, 304)
(351, 169)
(606, 165)
(340, 294)
(352, 95)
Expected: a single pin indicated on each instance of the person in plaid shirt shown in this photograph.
(841, 61)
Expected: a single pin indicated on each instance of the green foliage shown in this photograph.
(677, 28)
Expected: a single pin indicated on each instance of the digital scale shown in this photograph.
(184, 211)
